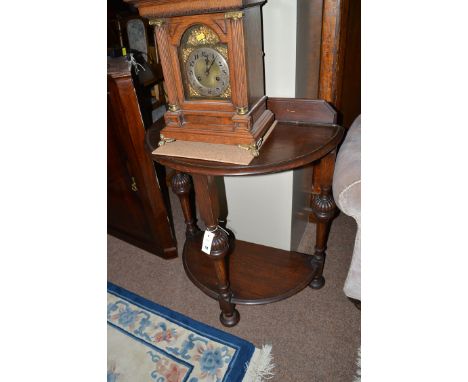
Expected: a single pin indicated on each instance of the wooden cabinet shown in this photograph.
(136, 208)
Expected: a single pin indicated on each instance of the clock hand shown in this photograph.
(208, 70)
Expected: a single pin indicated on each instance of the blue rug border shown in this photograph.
(245, 349)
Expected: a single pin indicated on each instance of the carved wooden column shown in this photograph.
(237, 57)
(207, 201)
(161, 36)
(181, 186)
(324, 208)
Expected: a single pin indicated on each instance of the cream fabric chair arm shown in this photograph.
(347, 194)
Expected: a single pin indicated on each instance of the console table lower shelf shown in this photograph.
(257, 274)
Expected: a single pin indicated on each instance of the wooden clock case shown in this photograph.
(242, 119)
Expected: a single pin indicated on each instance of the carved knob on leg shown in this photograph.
(219, 249)
(220, 243)
(324, 209)
(181, 185)
(324, 205)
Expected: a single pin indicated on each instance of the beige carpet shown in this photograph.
(315, 334)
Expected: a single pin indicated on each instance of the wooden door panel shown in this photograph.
(125, 211)
(136, 209)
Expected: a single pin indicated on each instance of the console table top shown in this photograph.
(291, 145)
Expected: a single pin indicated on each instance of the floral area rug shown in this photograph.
(148, 342)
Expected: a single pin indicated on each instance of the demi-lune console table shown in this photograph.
(238, 272)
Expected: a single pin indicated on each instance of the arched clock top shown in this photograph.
(199, 34)
(178, 27)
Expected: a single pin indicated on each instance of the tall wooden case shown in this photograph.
(239, 115)
(328, 54)
(136, 211)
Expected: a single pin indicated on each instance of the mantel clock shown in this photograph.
(212, 58)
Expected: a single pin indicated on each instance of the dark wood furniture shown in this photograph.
(135, 203)
(238, 272)
(328, 54)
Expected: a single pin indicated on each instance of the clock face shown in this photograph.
(208, 72)
(204, 64)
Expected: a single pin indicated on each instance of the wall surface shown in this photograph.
(259, 207)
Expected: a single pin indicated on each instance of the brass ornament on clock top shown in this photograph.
(212, 59)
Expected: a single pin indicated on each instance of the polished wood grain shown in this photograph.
(302, 110)
(165, 8)
(237, 59)
(258, 274)
(290, 145)
(333, 50)
(136, 208)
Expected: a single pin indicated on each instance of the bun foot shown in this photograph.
(317, 283)
(231, 320)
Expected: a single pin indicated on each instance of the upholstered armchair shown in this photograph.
(347, 194)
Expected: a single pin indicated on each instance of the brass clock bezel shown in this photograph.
(195, 37)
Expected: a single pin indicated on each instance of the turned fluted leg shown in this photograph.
(208, 204)
(324, 209)
(181, 185)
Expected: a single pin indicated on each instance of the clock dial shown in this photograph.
(204, 64)
(208, 72)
